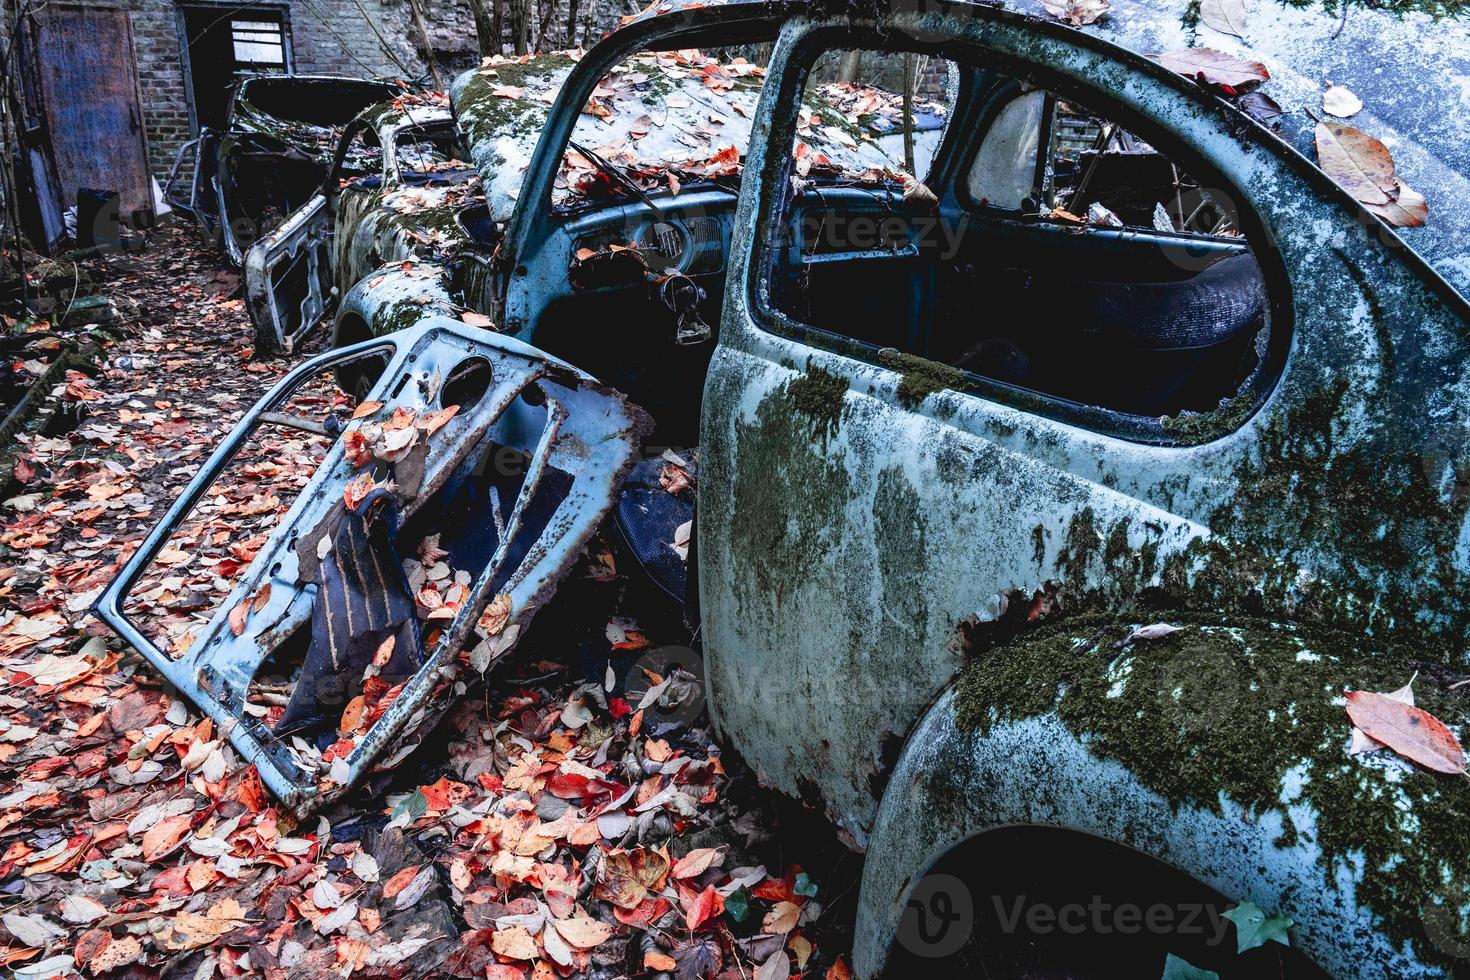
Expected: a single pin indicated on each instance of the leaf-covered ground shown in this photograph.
(571, 818)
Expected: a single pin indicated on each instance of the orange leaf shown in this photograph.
(399, 881)
(238, 616)
(164, 836)
(1412, 732)
(839, 970)
(655, 960)
(696, 862)
(366, 408)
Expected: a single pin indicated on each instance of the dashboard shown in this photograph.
(690, 234)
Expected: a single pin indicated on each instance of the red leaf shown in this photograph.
(400, 881)
(1412, 732)
(704, 906)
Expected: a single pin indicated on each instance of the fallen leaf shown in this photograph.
(583, 932)
(164, 836)
(1154, 631)
(1214, 68)
(514, 943)
(782, 918)
(1078, 13)
(1357, 161)
(776, 967)
(1225, 16)
(703, 907)
(1408, 210)
(1340, 101)
(1412, 732)
(1254, 927)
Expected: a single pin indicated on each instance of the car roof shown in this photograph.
(1411, 71)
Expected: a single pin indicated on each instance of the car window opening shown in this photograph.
(1071, 258)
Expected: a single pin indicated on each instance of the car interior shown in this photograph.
(1063, 255)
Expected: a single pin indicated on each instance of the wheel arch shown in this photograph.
(954, 783)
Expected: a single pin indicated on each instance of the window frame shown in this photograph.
(773, 187)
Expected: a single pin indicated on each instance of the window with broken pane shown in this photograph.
(661, 120)
(1066, 255)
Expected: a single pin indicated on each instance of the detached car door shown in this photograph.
(289, 280)
(884, 496)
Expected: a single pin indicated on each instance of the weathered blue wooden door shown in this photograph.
(89, 84)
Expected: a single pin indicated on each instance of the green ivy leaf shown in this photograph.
(805, 886)
(1254, 927)
(1178, 969)
(413, 806)
(737, 903)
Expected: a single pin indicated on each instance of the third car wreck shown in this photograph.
(273, 151)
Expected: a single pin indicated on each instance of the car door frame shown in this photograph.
(534, 221)
(306, 240)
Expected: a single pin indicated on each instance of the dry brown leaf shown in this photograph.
(1357, 161)
(1408, 210)
(192, 930)
(495, 616)
(781, 919)
(1078, 13)
(1214, 68)
(365, 409)
(1412, 732)
(514, 943)
(583, 932)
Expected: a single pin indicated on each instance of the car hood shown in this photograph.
(660, 110)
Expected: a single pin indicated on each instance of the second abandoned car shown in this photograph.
(945, 476)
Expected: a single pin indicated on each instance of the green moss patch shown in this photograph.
(920, 377)
(1255, 713)
(818, 394)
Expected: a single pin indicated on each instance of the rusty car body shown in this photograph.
(921, 568)
(271, 155)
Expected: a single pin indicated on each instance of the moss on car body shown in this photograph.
(1253, 712)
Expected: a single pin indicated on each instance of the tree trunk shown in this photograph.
(852, 63)
(520, 25)
(908, 113)
(487, 32)
(543, 17)
(423, 27)
(572, 23)
(497, 23)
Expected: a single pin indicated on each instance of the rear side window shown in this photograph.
(1007, 170)
(1071, 258)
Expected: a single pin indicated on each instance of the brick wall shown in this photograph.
(333, 37)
